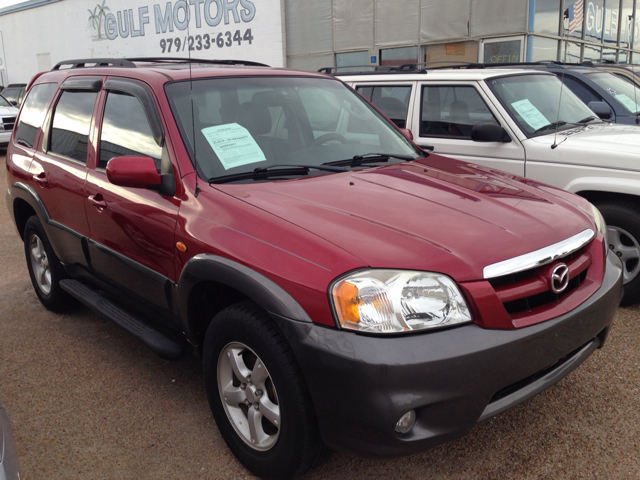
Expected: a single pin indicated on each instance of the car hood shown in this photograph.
(436, 214)
(593, 145)
(8, 111)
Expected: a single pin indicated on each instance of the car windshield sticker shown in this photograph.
(530, 114)
(627, 102)
(234, 145)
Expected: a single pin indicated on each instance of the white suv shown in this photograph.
(523, 122)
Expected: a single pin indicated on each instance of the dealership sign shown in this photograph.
(242, 29)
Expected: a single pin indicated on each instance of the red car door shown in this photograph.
(131, 229)
(59, 171)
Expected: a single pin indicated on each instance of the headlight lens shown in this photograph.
(392, 301)
(600, 223)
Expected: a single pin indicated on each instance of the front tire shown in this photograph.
(623, 230)
(257, 394)
(44, 267)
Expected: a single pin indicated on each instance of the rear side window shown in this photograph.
(583, 92)
(33, 113)
(393, 101)
(126, 130)
(452, 111)
(71, 123)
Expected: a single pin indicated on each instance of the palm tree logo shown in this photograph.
(96, 16)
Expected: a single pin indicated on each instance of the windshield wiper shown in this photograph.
(551, 126)
(370, 158)
(274, 170)
(587, 119)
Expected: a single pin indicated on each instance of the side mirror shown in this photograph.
(407, 134)
(488, 132)
(601, 109)
(133, 171)
(13, 102)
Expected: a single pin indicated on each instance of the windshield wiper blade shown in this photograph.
(370, 158)
(274, 170)
(551, 126)
(587, 119)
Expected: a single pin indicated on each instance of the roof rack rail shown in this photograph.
(369, 69)
(129, 62)
(95, 62)
(176, 60)
(437, 65)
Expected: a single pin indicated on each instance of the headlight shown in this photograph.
(391, 301)
(600, 223)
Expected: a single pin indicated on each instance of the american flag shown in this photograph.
(575, 14)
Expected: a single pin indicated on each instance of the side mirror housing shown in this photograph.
(488, 132)
(407, 134)
(601, 109)
(133, 171)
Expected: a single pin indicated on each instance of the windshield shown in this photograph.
(11, 93)
(619, 88)
(4, 102)
(533, 102)
(245, 123)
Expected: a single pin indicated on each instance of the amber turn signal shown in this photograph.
(181, 246)
(345, 296)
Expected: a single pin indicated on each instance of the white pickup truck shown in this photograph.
(523, 122)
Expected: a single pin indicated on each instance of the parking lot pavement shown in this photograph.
(87, 401)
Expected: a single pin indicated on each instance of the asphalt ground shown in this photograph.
(89, 402)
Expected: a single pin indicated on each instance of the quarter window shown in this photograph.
(126, 130)
(452, 111)
(393, 101)
(33, 113)
(71, 123)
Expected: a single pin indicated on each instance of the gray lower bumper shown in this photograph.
(362, 385)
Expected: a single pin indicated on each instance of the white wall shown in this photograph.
(36, 39)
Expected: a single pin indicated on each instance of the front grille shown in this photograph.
(528, 294)
(525, 291)
(9, 123)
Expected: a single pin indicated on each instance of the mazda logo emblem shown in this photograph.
(559, 278)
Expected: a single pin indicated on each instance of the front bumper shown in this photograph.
(361, 385)
(5, 137)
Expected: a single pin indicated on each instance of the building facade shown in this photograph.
(310, 34)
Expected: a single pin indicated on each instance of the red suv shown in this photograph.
(344, 288)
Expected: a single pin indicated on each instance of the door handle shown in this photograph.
(96, 201)
(41, 178)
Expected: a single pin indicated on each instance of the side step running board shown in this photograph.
(156, 341)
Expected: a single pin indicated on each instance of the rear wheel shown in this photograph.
(623, 230)
(45, 269)
(258, 396)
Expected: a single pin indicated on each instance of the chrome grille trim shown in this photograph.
(540, 257)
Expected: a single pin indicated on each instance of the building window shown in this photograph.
(626, 23)
(502, 51)
(452, 53)
(398, 56)
(592, 53)
(547, 16)
(571, 52)
(542, 49)
(352, 59)
(573, 18)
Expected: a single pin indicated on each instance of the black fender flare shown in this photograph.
(260, 289)
(28, 194)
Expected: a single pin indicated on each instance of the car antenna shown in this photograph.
(635, 92)
(566, 43)
(193, 121)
